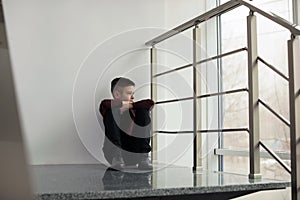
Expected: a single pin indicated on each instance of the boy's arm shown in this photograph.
(109, 104)
(115, 103)
(145, 104)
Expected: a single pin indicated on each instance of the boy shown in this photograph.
(127, 126)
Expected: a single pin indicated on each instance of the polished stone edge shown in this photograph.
(163, 192)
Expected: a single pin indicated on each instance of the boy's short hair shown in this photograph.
(119, 83)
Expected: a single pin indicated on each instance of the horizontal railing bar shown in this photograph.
(276, 157)
(293, 28)
(202, 61)
(173, 132)
(174, 100)
(223, 93)
(281, 118)
(245, 153)
(172, 70)
(201, 18)
(222, 55)
(206, 131)
(203, 96)
(273, 68)
(224, 130)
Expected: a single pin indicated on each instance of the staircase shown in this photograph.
(174, 182)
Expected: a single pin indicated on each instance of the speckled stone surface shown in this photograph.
(100, 182)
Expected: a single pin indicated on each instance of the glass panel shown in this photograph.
(271, 169)
(234, 71)
(176, 116)
(178, 84)
(236, 110)
(272, 40)
(236, 164)
(236, 140)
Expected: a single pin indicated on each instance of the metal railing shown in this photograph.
(276, 157)
(201, 61)
(273, 68)
(230, 5)
(254, 101)
(245, 153)
(281, 118)
(203, 96)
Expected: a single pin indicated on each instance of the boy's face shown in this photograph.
(126, 95)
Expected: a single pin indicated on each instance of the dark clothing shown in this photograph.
(129, 131)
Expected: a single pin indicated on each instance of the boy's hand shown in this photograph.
(125, 106)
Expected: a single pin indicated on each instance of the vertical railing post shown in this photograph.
(153, 71)
(253, 97)
(294, 100)
(197, 143)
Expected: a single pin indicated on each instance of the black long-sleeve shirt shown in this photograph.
(126, 124)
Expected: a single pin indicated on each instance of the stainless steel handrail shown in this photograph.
(203, 96)
(294, 29)
(222, 93)
(173, 132)
(224, 130)
(281, 118)
(204, 17)
(276, 157)
(202, 61)
(273, 68)
(253, 89)
(174, 100)
(173, 70)
(222, 55)
(206, 131)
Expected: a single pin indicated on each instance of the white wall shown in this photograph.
(63, 46)
(65, 54)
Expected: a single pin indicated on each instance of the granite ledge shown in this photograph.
(99, 182)
(141, 193)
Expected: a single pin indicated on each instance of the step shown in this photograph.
(164, 182)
